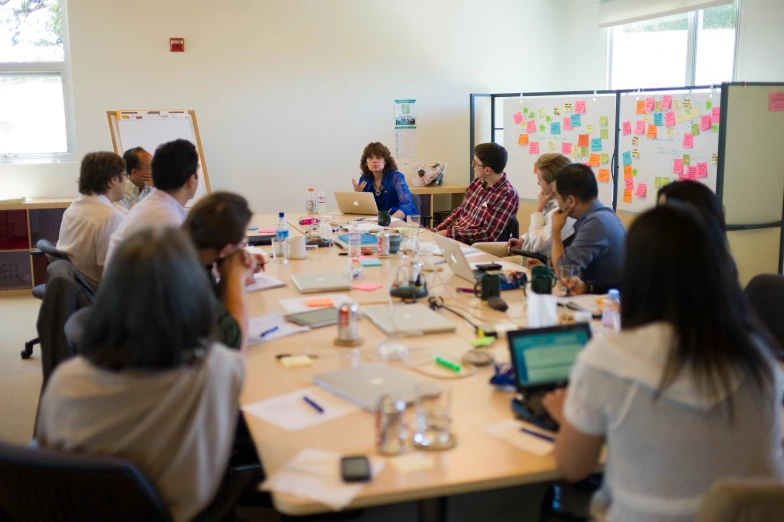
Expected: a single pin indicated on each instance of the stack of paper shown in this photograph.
(263, 282)
(291, 412)
(510, 431)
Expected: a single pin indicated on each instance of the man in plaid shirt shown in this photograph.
(490, 202)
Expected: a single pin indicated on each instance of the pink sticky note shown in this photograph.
(669, 119)
(567, 125)
(683, 176)
(533, 147)
(640, 127)
(629, 183)
(530, 126)
(627, 128)
(666, 102)
(677, 167)
(715, 114)
(688, 141)
(702, 169)
(642, 188)
(776, 101)
(692, 173)
(650, 103)
(579, 107)
(367, 287)
(705, 122)
(518, 118)
(566, 148)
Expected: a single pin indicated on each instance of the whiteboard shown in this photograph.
(551, 134)
(148, 129)
(653, 160)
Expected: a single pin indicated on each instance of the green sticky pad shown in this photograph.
(370, 262)
(482, 342)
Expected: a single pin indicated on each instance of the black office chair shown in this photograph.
(52, 254)
(765, 294)
(512, 229)
(543, 258)
(424, 220)
(39, 485)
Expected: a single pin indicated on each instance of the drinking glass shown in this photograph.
(565, 273)
(432, 421)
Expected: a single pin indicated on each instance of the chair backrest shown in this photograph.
(75, 326)
(512, 229)
(52, 254)
(38, 485)
(765, 294)
(743, 501)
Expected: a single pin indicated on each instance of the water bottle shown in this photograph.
(354, 250)
(611, 310)
(322, 203)
(281, 227)
(310, 202)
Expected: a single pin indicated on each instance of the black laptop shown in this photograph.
(542, 359)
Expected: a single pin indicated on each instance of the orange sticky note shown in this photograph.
(593, 160)
(627, 171)
(640, 106)
(523, 139)
(627, 196)
(604, 175)
(315, 303)
(651, 131)
(582, 140)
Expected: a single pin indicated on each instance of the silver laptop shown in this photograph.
(312, 283)
(363, 384)
(357, 203)
(455, 259)
(407, 318)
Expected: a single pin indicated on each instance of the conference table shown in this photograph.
(478, 462)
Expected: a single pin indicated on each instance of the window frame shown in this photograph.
(54, 69)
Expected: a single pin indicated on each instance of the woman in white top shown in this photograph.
(149, 385)
(538, 239)
(688, 393)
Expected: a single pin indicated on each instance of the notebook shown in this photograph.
(312, 283)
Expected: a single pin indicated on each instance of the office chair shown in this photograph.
(424, 220)
(743, 500)
(765, 294)
(52, 254)
(543, 258)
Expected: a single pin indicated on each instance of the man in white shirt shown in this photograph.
(138, 166)
(175, 167)
(92, 218)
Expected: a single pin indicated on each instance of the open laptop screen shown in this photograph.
(543, 356)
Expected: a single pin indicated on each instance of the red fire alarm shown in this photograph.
(177, 45)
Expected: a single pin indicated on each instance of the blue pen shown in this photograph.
(537, 434)
(271, 330)
(313, 404)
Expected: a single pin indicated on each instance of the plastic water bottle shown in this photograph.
(322, 203)
(354, 251)
(281, 227)
(310, 202)
(611, 310)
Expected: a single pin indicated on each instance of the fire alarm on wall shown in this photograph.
(177, 45)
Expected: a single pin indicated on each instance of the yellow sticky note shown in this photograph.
(589, 128)
(627, 196)
(676, 104)
(635, 140)
(567, 107)
(542, 114)
(604, 134)
(296, 361)
(635, 153)
(646, 118)
(556, 111)
(550, 145)
(687, 104)
(657, 107)
(670, 132)
(603, 121)
(584, 152)
(605, 158)
(715, 158)
(679, 118)
(694, 112)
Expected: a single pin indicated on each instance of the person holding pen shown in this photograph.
(388, 185)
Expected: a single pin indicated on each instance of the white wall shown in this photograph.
(288, 92)
(761, 41)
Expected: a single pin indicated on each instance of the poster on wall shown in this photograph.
(405, 129)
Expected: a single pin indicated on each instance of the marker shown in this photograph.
(466, 290)
(446, 364)
(538, 435)
(271, 330)
(313, 404)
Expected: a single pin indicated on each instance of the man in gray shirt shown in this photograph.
(599, 236)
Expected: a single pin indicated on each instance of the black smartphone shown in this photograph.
(355, 469)
(489, 266)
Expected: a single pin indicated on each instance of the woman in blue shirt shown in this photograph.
(380, 176)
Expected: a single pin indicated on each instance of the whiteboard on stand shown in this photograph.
(149, 129)
(665, 137)
(536, 125)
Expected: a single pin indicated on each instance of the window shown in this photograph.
(34, 87)
(696, 48)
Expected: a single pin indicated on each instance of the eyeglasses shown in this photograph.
(475, 164)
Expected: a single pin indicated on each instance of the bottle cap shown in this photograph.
(614, 293)
(310, 190)
(280, 214)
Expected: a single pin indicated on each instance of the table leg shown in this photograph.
(432, 510)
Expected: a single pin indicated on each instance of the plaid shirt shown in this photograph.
(484, 213)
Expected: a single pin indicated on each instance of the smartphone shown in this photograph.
(489, 266)
(355, 469)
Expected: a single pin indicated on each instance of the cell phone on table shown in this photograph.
(488, 266)
(355, 469)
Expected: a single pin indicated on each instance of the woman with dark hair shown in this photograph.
(149, 384)
(696, 194)
(380, 176)
(687, 393)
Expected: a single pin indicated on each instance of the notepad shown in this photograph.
(370, 261)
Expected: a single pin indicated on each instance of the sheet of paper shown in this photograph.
(291, 413)
(263, 282)
(259, 325)
(509, 431)
(299, 304)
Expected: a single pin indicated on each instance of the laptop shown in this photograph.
(312, 283)
(364, 384)
(407, 318)
(259, 237)
(541, 360)
(357, 203)
(455, 259)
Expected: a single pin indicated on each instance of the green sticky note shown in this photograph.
(605, 158)
(634, 173)
(657, 182)
(708, 104)
(695, 129)
(603, 121)
(604, 134)
(715, 128)
(665, 181)
(686, 159)
(525, 110)
(584, 152)
(548, 119)
(482, 342)
(657, 106)
(542, 128)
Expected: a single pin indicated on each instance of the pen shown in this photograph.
(538, 435)
(313, 404)
(446, 364)
(466, 290)
(266, 333)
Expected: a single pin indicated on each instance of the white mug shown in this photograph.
(297, 248)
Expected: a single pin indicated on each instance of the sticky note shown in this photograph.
(518, 118)
(695, 129)
(666, 102)
(657, 182)
(715, 128)
(627, 158)
(627, 128)
(551, 146)
(715, 114)
(670, 132)
(635, 140)
(296, 361)
(702, 169)
(530, 126)
(628, 183)
(705, 122)
(579, 107)
(646, 118)
(589, 128)
(525, 110)
(657, 107)
(370, 261)
(642, 188)
(640, 106)
(542, 127)
(669, 119)
(640, 127)
(566, 148)
(693, 173)
(596, 145)
(678, 118)
(683, 177)
(577, 120)
(523, 139)
(533, 147)
(627, 196)
(605, 158)
(715, 158)
(635, 153)
(634, 173)
(319, 302)
(582, 140)
(650, 103)
(366, 287)
(604, 134)
(627, 171)
(604, 175)
(567, 124)
(556, 111)
(676, 104)
(542, 113)
(555, 127)
(658, 119)
(603, 121)
(651, 131)
(584, 151)
(686, 159)
(593, 160)
(776, 101)
(677, 166)
(694, 112)
(665, 181)
(567, 107)
(687, 104)
(708, 104)
(688, 141)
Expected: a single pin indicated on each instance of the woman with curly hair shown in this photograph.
(380, 176)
